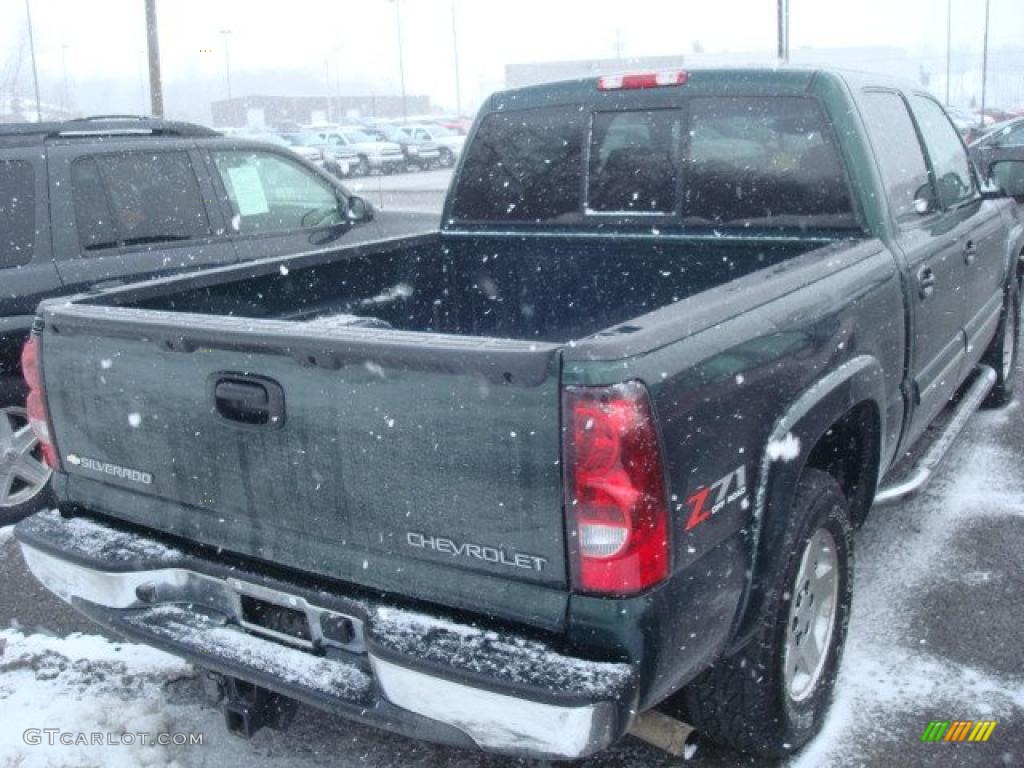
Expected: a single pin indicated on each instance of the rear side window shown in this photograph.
(17, 213)
(133, 198)
(949, 158)
(900, 159)
(764, 162)
(523, 166)
(634, 162)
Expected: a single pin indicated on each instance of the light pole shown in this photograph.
(227, 59)
(401, 59)
(949, 38)
(337, 81)
(32, 52)
(984, 67)
(455, 51)
(65, 100)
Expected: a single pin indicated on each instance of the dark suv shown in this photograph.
(96, 202)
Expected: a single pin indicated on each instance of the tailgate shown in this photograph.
(417, 464)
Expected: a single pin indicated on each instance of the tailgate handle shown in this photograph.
(253, 401)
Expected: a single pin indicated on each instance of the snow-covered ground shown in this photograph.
(936, 633)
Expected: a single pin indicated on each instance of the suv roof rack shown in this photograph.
(107, 125)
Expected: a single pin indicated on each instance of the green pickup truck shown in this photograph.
(592, 451)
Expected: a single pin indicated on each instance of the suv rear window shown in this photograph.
(714, 162)
(17, 213)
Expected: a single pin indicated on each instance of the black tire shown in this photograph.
(447, 159)
(744, 701)
(1004, 352)
(362, 167)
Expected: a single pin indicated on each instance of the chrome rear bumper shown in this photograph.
(353, 659)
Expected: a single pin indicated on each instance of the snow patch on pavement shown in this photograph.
(901, 552)
(85, 683)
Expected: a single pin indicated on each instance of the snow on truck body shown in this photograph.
(509, 484)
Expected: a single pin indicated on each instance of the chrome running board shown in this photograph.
(924, 468)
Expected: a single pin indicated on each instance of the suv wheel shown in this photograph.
(447, 158)
(24, 476)
(1004, 352)
(771, 697)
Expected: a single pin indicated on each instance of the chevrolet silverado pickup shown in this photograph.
(593, 450)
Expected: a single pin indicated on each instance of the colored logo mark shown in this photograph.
(958, 730)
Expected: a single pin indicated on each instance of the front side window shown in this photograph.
(17, 213)
(898, 151)
(949, 158)
(269, 193)
(634, 162)
(134, 198)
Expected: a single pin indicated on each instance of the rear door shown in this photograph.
(930, 239)
(977, 229)
(133, 213)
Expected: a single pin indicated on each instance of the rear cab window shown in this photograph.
(17, 213)
(713, 162)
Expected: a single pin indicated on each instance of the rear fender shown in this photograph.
(785, 455)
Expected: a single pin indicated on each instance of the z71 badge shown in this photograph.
(701, 510)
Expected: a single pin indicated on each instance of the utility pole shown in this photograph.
(32, 53)
(156, 89)
(949, 41)
(455, 51)
(337, 84)
(984, 68)
(227, 59)
(783, 31)
(65, 100)
(618, 44)
(401, 59)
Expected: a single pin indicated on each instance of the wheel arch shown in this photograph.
(842, 410)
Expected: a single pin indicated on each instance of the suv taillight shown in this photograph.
(35, 404)
(616, 504)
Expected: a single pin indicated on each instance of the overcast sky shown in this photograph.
(105, 38)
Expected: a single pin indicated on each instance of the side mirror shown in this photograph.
(1007, 176)
(924, 200)
(359, 209)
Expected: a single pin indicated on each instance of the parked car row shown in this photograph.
(377, 146)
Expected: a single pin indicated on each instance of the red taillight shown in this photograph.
(35, 404)
(641, 80)
(615, 489)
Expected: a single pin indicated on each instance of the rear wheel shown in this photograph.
(771, 697)
(1003, 354)
(447, 158)
(24, 476)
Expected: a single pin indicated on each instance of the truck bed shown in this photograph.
(510, 287)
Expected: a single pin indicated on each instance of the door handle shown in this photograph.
(970, 252)
(925, 282)
(252, 401)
